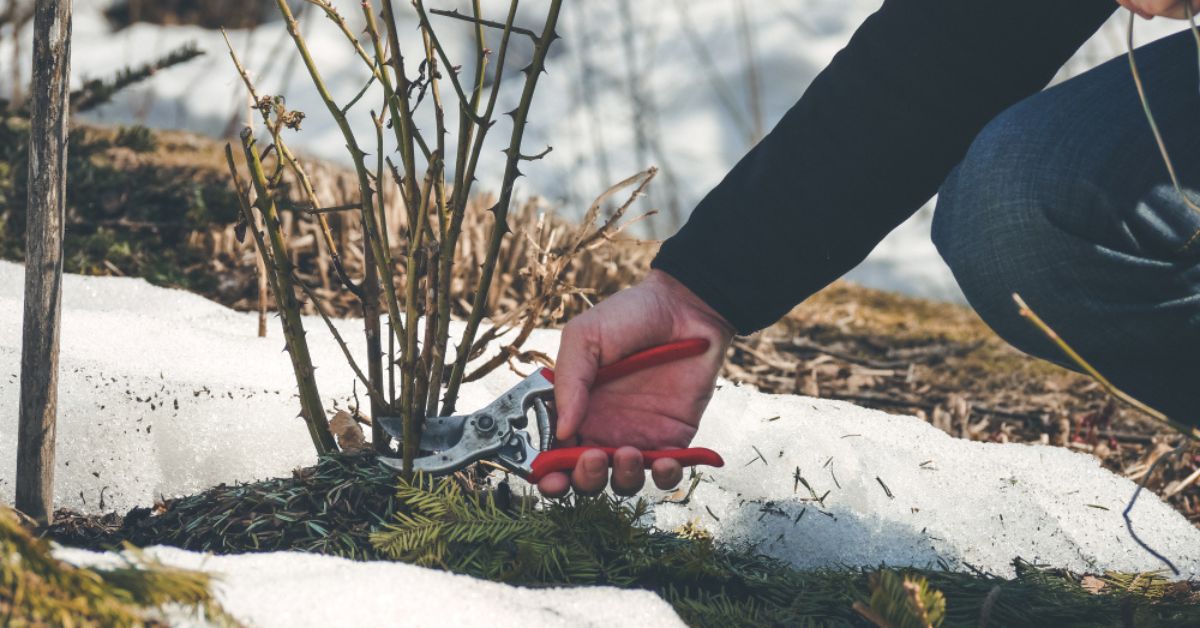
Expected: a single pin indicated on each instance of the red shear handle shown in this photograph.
(654, 356)
(564, 459)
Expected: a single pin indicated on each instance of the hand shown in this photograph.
(1163, 8)
(658, 408)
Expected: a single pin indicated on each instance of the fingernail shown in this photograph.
(594, 464)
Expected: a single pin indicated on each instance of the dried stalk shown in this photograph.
(1109, 387)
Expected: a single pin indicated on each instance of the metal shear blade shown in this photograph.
(495, 431)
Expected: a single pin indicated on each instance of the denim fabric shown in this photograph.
(1065, 199)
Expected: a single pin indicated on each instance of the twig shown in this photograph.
(500, 210)
(1108, 386)
(1188, 432)
(482, 22)
(1137, 81)
(329, 210)
(375, 395)
(1133, 501)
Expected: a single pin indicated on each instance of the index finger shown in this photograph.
(574, 371)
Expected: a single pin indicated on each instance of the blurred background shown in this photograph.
(684, 85)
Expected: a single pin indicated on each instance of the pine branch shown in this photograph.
(97, 92)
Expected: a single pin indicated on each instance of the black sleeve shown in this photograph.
(869, 142)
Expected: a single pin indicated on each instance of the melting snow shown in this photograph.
(288, 589)
(164, 393)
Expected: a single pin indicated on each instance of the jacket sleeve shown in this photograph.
(868, 143)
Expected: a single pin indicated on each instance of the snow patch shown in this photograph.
(288, 589)
(892, 489)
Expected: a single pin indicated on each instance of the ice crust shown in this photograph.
(287, 589)
(130, 350)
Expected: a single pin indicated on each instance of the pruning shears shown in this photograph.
(497, 433)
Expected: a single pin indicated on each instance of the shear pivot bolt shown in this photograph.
(485, 423)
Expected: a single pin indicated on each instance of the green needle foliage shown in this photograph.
(903, 602)
(598, 540)
(349, 505)
(330, 508)
(37, 589)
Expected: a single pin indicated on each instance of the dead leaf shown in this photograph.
(349, 433)
(1092, 584)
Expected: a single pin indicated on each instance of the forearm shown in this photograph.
(868, 143)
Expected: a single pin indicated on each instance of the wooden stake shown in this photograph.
(46, 204)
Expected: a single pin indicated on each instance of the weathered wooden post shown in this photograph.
(49, 110)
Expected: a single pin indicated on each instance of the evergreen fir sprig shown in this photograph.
(349, 505)
(96, 92)
(37, 589)
(598, 540)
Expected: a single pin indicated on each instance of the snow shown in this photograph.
(131, 350)
(289, 589)
(695, 135)
(952, 501)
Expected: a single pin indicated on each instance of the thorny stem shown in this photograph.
(424, 373)
(409, 371)
(372, 391)
(381, 201)
(289, 308)
(336, 18)
(458, 211)
(480, 22)
(371, 329)
(500, 210)
(297, 169)
(427, 31)
(398, 102)
(383, 260)
(243, 195)
(450, 218)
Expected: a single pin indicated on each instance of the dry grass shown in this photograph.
(878, 349)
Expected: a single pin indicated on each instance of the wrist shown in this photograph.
(678, 293)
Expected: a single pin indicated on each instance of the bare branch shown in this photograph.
(482, 22)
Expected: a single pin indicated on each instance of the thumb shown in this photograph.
(574, 371)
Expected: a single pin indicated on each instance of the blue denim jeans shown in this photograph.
(1065, 199)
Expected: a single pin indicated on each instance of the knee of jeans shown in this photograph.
(1013, 189)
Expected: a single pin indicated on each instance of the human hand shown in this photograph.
(658, 408)
(1163, 8)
